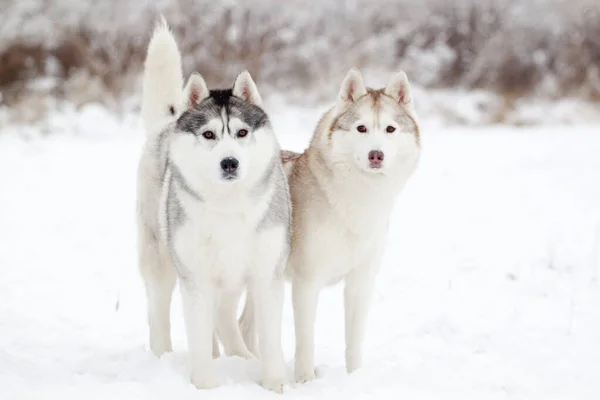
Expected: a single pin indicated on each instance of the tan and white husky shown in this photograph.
(343, 188)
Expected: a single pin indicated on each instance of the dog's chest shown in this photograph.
(218, 246)
(329, 249)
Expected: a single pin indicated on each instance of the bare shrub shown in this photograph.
(513, 47)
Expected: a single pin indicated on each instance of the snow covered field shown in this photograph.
(490, 286)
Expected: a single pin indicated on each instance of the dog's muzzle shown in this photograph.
(376, 159)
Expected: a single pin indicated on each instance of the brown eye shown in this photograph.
(390, 129)
(242, 132)
(361, 128)
(208, 135)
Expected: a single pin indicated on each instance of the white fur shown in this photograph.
(245, 88)
(163, 80)
(195, 90)
(351, 90)
(217, 249)
(399, 89)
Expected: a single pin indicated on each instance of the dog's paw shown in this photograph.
(247, 356)
(305, 375)
(274, 384)
(353, 363)
(160, 346)
(242, 353)
(205, 381)
(351, 368)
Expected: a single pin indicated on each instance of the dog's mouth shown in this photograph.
(229, 176)
(372, 169)
(375, 170)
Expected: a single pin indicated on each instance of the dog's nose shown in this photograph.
(375, 158)
(229, 164)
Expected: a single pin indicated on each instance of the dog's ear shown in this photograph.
(352, 88)
(245, 88)
(398, 88)
(195, 90)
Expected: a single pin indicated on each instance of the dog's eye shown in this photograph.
(361, 128)
(390, 129)
(208, 135)
(242, 132)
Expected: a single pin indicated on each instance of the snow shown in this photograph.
(489, 288)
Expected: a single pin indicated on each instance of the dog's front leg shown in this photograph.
(357, 298)
(268, 303)
(198, 302)
(227, 325)
(305, 295)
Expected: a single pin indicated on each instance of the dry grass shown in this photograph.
(477, 44)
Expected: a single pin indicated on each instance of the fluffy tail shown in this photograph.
(162, 97)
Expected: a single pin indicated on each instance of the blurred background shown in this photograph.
(472, 61)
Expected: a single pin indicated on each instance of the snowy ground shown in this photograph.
(489, 288)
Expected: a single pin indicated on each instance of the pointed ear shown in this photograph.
(245, 88)
(195, 90)
(398, 88)
(352, 88)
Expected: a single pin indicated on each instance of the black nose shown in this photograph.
(229, 164)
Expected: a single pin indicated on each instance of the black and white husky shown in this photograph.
(213, 210)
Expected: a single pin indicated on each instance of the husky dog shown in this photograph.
(343, 190)
(213, 211)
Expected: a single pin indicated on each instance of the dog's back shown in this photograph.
(288, 159)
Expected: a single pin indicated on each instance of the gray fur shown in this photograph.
(161, 143)
(278, 212)
(211, 108)
(162, 148)
(254, 116)
(182, 182)
(192, 120)
(263, 183)
(175, 217)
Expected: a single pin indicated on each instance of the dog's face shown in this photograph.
(224, 134)
(375, 130)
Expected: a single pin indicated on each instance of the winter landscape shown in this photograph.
(490, 285)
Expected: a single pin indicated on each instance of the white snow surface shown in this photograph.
(489, 288)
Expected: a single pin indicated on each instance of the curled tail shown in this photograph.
(163, 97)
